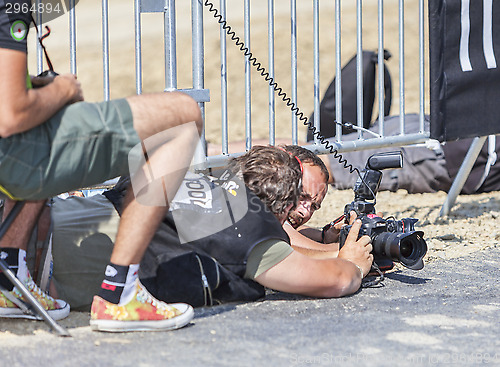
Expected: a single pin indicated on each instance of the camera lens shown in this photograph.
(406, 249)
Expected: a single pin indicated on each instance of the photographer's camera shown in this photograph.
(391, 239)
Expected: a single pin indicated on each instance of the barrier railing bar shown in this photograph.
(223, 79)
(270, 41)
(338, 68)
(170, 46)
(380, 62)
(293, 66)
(138, 55)
(349, 146)
(248, 80)
(359, 65)
(401, 68)
(105, 50)
(198, 56)
(317, 114)
(421, 45)
(72, 36)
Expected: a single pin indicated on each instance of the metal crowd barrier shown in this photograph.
(202, 95)
(340, 145)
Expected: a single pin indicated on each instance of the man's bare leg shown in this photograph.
(19, 232)
(14, 243)
(169, 126)
(152, 115)
(13, 251)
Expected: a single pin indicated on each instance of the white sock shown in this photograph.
(129, 288)
(22, 270)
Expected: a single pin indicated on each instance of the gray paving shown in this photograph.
(446, 314)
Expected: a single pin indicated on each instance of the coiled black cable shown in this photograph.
(265, 74)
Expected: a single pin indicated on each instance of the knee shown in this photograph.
(189, 110)
(160, 111)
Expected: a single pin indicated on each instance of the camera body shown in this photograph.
(373, 226)
(391, 239)
(43, 78)
(366, 187)
(48, 73)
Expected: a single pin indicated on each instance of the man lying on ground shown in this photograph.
(241, 228)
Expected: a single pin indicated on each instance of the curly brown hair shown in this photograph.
(271, 174)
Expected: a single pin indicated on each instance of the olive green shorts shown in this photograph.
(82, 145)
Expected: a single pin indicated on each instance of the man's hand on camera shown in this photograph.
(333, 233)
(352, 218)
(357, 250)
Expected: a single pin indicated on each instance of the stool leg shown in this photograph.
(20, 286)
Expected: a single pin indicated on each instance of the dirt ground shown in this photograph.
(470, 227)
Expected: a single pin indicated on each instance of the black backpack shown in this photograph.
(349, 96)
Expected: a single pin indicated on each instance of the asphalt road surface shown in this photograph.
(447, 314)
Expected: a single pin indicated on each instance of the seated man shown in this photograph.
(253, 247)
(53, 142)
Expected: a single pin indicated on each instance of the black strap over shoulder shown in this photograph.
(40, 39)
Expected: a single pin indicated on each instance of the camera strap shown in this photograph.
(375, 282)
(330, 225)
(40, 39)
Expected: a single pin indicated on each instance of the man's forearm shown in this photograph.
(297, 239)
(329, 236)
(329, 252)
(312, 233)
(37, 106)
(23, 108)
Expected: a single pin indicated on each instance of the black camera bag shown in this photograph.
(200, 280)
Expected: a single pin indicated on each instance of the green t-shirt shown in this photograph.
(265, 255)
